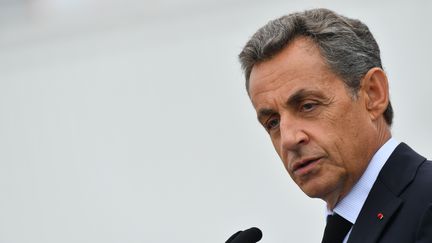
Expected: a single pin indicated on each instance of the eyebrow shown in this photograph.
(299, 96)
(265, 112)
(292, 101)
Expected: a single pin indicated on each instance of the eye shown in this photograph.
(309, 106)
(272, 123)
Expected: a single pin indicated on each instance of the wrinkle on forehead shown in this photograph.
(266, 73)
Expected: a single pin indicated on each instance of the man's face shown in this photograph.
(316, 126)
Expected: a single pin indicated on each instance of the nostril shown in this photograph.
(292, 140)
(302, 137)
(303, 141)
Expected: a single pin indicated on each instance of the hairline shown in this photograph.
(352, 93)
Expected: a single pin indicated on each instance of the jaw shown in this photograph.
(329, 184)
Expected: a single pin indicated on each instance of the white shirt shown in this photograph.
(349, 207)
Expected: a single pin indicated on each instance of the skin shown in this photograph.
(324, 135)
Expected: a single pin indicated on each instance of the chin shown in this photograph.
(315, 189)
(327, 183)
(315, 194)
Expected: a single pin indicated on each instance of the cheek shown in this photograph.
(343, 142)
(341, 123)
(331, 136)
(277, 147)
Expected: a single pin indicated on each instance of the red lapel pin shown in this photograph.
(380, 216)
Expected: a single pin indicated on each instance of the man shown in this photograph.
(316, 81)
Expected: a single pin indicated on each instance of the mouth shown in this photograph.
(305, 166)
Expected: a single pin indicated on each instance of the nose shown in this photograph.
(293, 135)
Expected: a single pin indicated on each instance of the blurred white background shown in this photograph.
(128, 121)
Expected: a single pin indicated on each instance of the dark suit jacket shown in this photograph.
(402, 194)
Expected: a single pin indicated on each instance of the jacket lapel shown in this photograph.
(383, 199)
(375, 215)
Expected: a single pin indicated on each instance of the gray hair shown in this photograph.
(347, 45)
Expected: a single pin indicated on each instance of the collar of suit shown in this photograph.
(384, 199)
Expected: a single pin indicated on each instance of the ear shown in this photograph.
(376, 90)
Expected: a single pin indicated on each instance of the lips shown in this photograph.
(304, 166)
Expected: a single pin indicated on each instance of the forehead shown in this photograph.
(297, 66)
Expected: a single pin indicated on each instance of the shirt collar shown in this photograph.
(349, 207)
